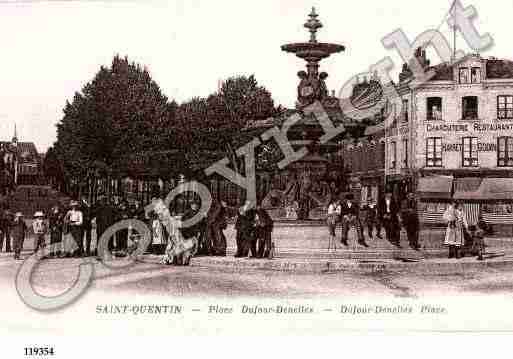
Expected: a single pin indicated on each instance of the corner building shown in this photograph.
(461, 129)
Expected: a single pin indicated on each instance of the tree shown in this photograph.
(120, 111)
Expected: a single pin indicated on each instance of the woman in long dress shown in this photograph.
(456, 225)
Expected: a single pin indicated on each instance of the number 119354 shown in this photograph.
(39, 351)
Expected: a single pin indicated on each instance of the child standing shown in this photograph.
(18, 232)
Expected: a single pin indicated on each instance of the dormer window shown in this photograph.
(464, 75)
(405, 111)
(475, 75)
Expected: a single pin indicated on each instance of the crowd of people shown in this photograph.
(387, 214)
(253, 226)
(64, 226)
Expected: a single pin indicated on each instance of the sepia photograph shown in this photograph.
(266, 167)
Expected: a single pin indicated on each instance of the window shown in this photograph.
(464, 75)
(434, 152)
(505, 107)
(393, 155)
(469, 152)
(470, 108)
(405, 112)
(405, 153)
(475, 75)
(505, 152)
(434, 108)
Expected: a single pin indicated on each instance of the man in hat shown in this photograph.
(389, 213)
(86, 210)
(6, 219)
(105, 217)
(410, 221)
(245, 227)
(18, 232)
(56, 227)
(350, 218)
(75, 219)
(40, 229)
(372, 220)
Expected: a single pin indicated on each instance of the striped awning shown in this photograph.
(435, 187)
(467, 188)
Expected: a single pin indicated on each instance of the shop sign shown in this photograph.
(458, 147)
(477, 126)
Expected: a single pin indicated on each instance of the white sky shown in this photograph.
(51, 49)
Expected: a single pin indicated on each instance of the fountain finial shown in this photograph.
(313, 25)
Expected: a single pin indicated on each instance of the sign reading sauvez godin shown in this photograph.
(476, 127)
(481, 147)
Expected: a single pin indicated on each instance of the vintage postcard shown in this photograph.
(172, 167)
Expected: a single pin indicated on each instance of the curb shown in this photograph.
(362, 267)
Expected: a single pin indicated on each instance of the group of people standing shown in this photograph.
(460, 235)
(64, 224)
(387, 214)
(254, 229)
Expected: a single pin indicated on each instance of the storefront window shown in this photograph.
(505, 152)
(470, 157)
(393, 155)
(505, 107)
(434, 152)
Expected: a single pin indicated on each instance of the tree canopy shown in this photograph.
(123, 112)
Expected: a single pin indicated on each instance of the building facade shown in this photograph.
(458, 126)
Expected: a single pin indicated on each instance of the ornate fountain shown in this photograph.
(312, 86)
(310, 181)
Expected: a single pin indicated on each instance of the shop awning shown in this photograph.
(435, 187)
(497, 189)
(467, 188)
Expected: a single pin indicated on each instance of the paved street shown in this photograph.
(54, 275)
(313, 274)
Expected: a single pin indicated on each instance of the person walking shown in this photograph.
(55, 226)
(74, 220)
(456, 225)
(40, 229)
(18, 232)
(389, 213)
(350, 218)
(334, 212)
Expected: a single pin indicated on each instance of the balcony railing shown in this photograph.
(434, 116)
(470, 115)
